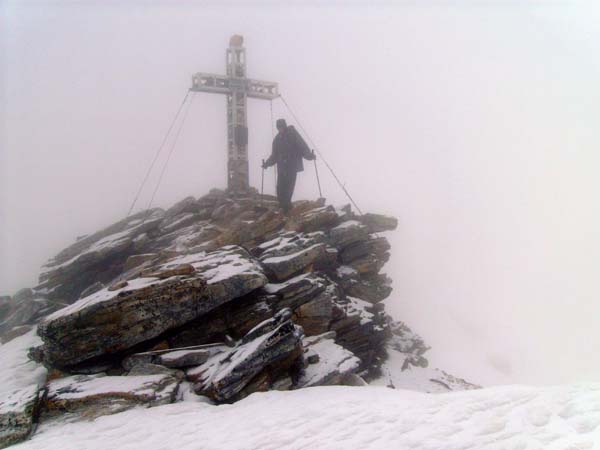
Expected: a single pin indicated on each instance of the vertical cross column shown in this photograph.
(237, 124)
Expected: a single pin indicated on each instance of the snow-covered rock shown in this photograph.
(113, 320)
(332, 362)
(20, 382)
(275, 343)
(93, 396)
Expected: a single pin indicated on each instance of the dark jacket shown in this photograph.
(288, 150)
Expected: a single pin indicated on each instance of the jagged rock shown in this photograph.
(287, 243)
(334, 364)
(369, 264)
(231, 319)
(316, 315)
(298, 290)
(283, 267)
(92, 396)
(348, 232)
(372, 288)
(167, 269)
(110, 322)
(362, 330)
(317, 219)
(225, 375)
(249, 232)
(378, 223)
(408, 343)
(378, 246)
(175, 357)
(98, 257)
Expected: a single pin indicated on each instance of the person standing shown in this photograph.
(288, 151)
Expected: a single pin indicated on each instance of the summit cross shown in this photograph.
(238, 88)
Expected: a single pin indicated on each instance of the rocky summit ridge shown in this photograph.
(220, 296)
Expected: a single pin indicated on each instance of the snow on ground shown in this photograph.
(342, 417)
(414, 378)
(19, 377)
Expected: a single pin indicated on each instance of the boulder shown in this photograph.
(275, 343)
(316, 315)
(372, 288)
(111, 322)
(317, 219)
(363, 330)
(93, 396)
(378, 246)
(297, 291)
(348, 232)
(283, 267)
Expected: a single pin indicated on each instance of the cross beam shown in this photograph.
(237, 88)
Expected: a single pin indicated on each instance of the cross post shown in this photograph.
(238, 88)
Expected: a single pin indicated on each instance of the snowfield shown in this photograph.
(339, 417)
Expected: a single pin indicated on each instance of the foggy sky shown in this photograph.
(475, 123)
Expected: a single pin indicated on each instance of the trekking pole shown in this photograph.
(318, 181)
(262, 182)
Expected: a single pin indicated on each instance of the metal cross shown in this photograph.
(237, 88)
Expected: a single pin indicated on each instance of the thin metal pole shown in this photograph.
(262, 182)
(318, 181)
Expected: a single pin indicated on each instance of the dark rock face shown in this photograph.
(112, 321)
(226, 288)
(275, 343)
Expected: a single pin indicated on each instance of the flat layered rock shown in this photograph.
(111, 321)
(275, 343)
(175, 357)
(283, 267)
(298, 290)
(332, 362)
(317, 219)
(348, 232)
(93, 396)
